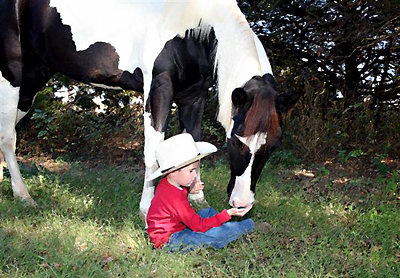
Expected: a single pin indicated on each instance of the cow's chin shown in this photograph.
(241, 196)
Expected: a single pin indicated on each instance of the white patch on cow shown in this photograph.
(242, 139)
(262, 56)
(20, 115)
(151, 136)
(241, 193)
(147, 192)
(229, 132)
(254, 142)
(152, 140)
(9, 97)
(149, 152)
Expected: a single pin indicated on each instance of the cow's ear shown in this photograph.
(239, 97)
(269, 79)
(286, 101)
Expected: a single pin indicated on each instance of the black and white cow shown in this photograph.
(173, 51)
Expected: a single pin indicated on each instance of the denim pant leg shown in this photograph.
(207, 212)
(218, 237)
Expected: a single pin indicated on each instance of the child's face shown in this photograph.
(185, 176)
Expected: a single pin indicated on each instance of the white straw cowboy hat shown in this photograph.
(179, 151)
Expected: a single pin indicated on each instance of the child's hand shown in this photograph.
(196, 187)
(239, 211)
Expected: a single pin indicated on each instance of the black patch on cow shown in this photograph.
(183, 73)
(48, 48)
(239, 157)
(10, 47)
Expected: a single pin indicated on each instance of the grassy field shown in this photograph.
(324, 224)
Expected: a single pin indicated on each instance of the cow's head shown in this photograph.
(255, 133)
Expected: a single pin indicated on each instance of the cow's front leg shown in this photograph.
(8, 118)
(157, 109)
(198, 199)
(152, 140)
(190, 117)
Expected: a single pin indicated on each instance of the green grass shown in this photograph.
(88, 225)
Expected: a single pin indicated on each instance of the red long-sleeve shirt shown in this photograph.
(170, 212)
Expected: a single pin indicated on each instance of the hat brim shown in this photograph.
(204, 149)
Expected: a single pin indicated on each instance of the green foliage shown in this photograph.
(343, 156)
(393, 183)
(213, 132)
(322, 172)
(80, 128)
(284, 157)
(45, 123)
(381, 167)
(356, 153)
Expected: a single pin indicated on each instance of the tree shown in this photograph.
(346, 50)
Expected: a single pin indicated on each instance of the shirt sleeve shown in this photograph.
(193, 221)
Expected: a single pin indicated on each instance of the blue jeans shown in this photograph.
(218, 237)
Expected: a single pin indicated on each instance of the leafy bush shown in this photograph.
(393, 183)
(313, 133)
(284, 157)
(81, 127)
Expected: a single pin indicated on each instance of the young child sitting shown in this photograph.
(171, 222)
